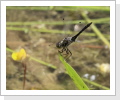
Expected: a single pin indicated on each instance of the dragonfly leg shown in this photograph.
(63, 49)
(68, 52)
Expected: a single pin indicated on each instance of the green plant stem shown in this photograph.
(100, 20)
(35, 59)
(50, 31)
(42, 62)
(54, 67)
(60, 8)
(95, 84)
(96, 30)
(9, 50)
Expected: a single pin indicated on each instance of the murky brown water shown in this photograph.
(41, 45)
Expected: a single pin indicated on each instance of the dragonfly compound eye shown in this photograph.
(58, 45)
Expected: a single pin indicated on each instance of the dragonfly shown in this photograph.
(63, 44)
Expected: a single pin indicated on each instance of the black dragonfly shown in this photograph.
(67, 41)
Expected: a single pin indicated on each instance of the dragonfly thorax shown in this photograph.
(64, 43)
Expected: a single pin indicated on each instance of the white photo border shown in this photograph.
(57, 3)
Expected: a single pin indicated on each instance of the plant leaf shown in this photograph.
(75, 77)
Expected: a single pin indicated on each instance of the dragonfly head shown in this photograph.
(58, 45)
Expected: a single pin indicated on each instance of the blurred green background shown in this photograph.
(38, 29)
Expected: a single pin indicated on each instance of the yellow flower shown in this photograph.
(19, 56)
